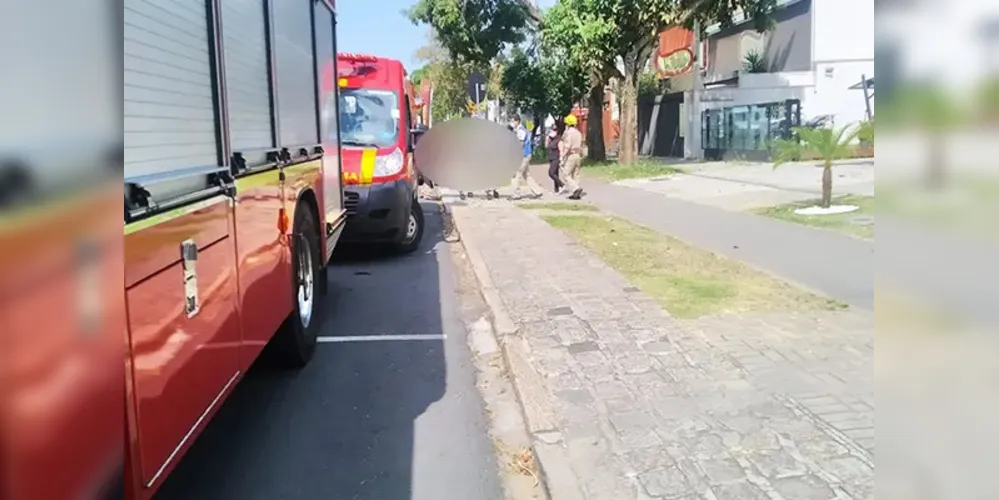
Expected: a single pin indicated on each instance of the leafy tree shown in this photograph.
(418, 75)
(600, 32)
(474, 31)
(565, 83)
(542, 84)
(827, 143)
(450, 79)
(573, 31)
(523, 82)
(650, 86)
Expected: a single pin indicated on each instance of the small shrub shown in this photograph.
(755, 62)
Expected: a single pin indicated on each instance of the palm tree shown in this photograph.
(829, 144)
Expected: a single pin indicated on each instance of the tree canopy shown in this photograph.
(616, 38)
(589, 41)
(474, 31)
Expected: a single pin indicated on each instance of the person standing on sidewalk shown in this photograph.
(553, 145)
(573, 140)
(524, 173)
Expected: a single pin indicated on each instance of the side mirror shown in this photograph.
(414, 137)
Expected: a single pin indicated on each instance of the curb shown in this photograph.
(502, 328)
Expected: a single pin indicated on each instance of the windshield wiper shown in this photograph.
(359, 144)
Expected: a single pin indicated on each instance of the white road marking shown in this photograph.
(379, 338)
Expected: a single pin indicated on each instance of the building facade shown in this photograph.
(806, 69)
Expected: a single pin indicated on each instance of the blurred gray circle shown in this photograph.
(469, 154)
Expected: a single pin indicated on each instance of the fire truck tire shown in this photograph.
(295, 342)
(413, 232)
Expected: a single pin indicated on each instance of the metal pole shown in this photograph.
(867, 98)
(694, 130)
(478, 113)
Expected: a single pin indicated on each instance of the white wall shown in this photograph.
(733, 96)
(832, 94)
(842, 30)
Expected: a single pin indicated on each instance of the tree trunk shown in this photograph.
(827, 184)
(627, 151)
(596, 149)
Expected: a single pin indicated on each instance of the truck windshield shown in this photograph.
(369, 117)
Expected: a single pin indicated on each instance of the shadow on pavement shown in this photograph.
(343, 427)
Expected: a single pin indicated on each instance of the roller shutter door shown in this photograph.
(246, 75)
(295, 64)
(169, 116)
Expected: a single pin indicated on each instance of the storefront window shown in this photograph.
(748, 128)
(758, 128)
(740, 127)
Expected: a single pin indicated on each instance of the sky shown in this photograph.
(378, 28)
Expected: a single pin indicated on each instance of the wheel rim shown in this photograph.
(306, 285)
(412, 227)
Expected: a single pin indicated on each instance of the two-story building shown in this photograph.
(809, 67)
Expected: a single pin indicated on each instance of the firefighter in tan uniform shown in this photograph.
(572, 139)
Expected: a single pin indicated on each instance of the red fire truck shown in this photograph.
(233, 206)
(378, 136)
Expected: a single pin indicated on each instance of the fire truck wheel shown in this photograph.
(413, 232)
(295, 342)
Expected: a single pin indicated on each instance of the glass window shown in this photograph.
(369, 117)
(720, 124)
(740, 127)
(758, 127)
(707, 136)
(776, 118)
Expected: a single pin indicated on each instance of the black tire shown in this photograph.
(410, 243)
(295, 342)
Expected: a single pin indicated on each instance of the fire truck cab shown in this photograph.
(376, 131)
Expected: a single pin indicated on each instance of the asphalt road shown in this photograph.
(379, 420)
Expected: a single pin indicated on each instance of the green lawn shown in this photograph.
(611, 171)
(844, 223)
(689, 282)
(562, 206)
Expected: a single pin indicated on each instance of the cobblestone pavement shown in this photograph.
(626, 402)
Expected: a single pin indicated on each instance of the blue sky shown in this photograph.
(377, 27)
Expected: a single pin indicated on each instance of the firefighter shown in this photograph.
(573, 148)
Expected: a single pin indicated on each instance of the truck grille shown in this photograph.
(350, 202)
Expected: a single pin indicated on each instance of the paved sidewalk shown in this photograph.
(837, 265)
(626, 402)
(744, 186)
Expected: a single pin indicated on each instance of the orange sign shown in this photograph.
(675, 55)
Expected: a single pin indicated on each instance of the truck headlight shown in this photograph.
(389, 164)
